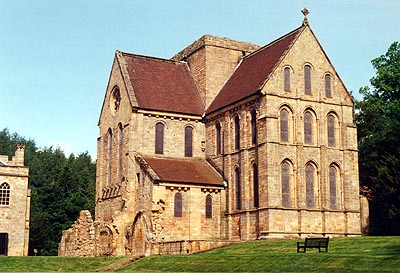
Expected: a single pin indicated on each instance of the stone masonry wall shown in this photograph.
(270, 152)
(15, 216)
(212, 60)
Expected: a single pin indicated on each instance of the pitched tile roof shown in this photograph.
(253, 71)
(188, 171)
(164, 85)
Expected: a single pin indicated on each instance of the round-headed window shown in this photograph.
(115, 100)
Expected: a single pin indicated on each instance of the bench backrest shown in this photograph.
(310, 242)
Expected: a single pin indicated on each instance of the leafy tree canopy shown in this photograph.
(378, 121)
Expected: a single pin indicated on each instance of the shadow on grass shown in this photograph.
(392, 250)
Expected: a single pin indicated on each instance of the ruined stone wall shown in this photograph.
(15, 213)
(79, 240)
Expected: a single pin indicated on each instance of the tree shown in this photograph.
(378, 121)
(60, 188)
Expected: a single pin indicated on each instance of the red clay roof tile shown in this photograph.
(163, 85)
(252, 72)
(189, 171)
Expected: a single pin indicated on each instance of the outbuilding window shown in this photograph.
(5, 194)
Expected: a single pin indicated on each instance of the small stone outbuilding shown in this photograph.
(14, 205)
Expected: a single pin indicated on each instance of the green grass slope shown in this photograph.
(359, 254)
(55, 264)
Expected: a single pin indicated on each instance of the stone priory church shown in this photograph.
(226, 141)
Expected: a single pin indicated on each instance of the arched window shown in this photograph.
(328, 88)
(159, 138)
(331, 131)
(208, 206)
(255, 186)
(253, 127)
(285, 179)
(109, 159)
(237, 132)
(284, 120)
(115, 100)
(178, 205)
(188, 141)
(218, 138)
(308, 128)
(4, 194)
(286, 77)
(120, 150)
(238, 189)
(307, 79)
(332, 187)
(310, 173)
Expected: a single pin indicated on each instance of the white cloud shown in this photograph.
(65, 147)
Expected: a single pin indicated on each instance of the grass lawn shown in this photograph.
(359, 254)
(53, 264)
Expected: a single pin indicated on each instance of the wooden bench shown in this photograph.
(320, 243)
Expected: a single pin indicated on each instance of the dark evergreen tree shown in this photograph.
(60, 188)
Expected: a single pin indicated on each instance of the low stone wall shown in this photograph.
(186, 246)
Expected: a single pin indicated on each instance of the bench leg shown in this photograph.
(301, 248)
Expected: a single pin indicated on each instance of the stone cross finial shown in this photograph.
(305, 13)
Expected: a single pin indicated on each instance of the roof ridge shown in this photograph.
(237, 87)
(175, 158)
(273, 42)
(148, 57)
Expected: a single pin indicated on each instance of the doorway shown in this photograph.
(3, 244)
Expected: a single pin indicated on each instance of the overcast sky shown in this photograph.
(56, 56)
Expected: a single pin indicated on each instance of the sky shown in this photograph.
(56, 56)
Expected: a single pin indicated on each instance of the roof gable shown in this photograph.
(163, 85)
(188, 171)
(348, 98)
(253, 71)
